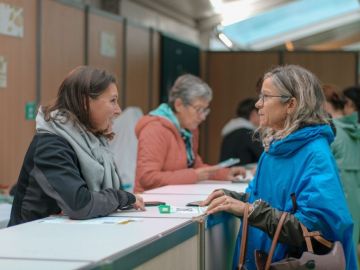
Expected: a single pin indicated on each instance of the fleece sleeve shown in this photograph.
(57, 172)
(152, 153)
(267, 219)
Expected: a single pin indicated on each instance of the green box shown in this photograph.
(30, 110)
(164, 209)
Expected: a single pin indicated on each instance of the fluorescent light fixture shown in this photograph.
(225, 40)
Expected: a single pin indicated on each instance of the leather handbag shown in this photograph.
(334, 259)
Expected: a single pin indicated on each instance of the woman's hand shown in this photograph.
(228, 204)
(139, 203)
(235, 171)
(205, 173)
(215, 194)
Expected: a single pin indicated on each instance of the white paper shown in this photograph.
(11, 20)
(187, 210)
(108, 44)
(3, 72)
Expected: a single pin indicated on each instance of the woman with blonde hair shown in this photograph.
(297, 161)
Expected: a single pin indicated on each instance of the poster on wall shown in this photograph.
(108, 44)
(11, 20)
(3, 72)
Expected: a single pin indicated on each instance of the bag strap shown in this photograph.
(323, 241)
(244, 237)
(275, 240)
(307, 238)
(317, 236)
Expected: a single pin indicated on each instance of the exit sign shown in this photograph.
(30, 110)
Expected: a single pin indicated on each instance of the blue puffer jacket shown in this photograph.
(302, 163)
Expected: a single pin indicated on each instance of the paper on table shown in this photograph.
(102, 220)
(187, 210)
(248, 177)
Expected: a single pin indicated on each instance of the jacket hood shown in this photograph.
(350, 125)
(235, 124)
(149, 119)
(296, 140)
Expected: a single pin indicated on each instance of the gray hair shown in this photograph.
(305, 87)
(189, 88)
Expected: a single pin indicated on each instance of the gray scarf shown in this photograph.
(97, 165)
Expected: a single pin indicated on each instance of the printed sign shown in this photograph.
(108, 44)
(11, 20)
(3, 72)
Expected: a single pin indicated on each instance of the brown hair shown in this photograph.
(72, 100)
(353, 93)
(332, 96)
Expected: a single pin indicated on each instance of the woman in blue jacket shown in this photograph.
(297, 159)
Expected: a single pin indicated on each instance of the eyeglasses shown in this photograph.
(264, 97)
(200, 111)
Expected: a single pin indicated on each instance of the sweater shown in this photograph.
(162, 157)
(346, 150)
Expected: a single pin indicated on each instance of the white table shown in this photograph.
(175, 200)
(203, 188)
(21, 264)
(151, 241)
(218, 232)
(128, 245)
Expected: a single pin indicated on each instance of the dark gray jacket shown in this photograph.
(50, 182)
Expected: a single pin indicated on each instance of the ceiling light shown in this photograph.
(225, 40)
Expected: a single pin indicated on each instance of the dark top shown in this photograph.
(240, 144)
(50, 182)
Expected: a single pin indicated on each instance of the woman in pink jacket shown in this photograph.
(168, 139)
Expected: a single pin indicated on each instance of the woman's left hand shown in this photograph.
(235, 171)
(228, 204)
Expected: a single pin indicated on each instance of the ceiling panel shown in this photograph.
(269, 24)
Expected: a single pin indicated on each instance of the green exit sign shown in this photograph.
(30, 110)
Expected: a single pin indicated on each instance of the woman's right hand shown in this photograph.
(205, 173)
(215, 194)
(139, 203)
(228, 204)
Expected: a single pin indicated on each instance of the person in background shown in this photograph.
(352, 100)
(346, 150)
(238, 140)
(334, 102)
(168, 139)
(68, 167)
(296, 162)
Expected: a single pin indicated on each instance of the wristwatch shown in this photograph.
(254, 205)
